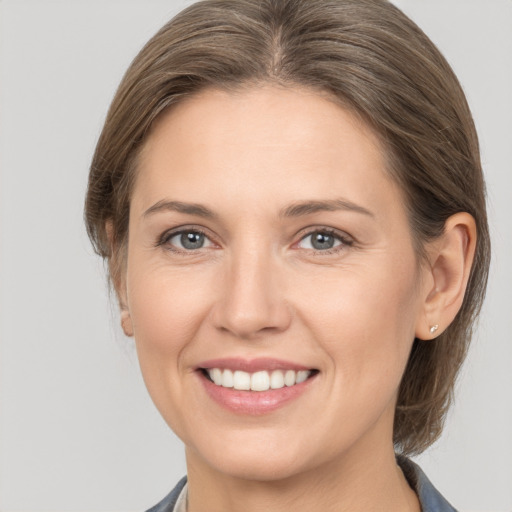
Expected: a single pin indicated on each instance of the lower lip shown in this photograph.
(254, 402)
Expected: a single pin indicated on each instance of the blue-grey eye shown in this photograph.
(320, 241)
(189, 240)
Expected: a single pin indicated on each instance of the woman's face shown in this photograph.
(266, 239)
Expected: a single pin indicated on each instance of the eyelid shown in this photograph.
(167, 235)
(345, 239)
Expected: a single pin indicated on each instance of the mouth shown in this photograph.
(257, 386)
(259, 381)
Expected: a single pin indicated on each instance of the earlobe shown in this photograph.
(451, 257)
(126, 323)
(116, 269)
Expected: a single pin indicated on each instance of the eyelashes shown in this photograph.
(190, 240)
(324, 240)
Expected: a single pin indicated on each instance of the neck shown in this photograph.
(348, 484)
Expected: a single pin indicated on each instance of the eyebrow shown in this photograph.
(330, 205)
(181, 207)
(298, 209)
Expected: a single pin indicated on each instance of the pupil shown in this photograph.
(322, 241)
(192, 240)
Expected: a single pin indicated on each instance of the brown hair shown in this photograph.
(377, 62)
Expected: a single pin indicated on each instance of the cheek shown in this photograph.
(166, 306)
(364, 318)
(167, 309)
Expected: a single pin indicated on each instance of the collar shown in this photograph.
(430, 498)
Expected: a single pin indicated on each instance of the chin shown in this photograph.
(257, 469)
(257, 459)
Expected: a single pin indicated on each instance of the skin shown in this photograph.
(257, 288)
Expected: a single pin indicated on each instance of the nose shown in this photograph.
(251, 303)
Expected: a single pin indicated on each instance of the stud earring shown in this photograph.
(434, 328)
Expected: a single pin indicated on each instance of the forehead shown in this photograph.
(265, 115)
(261, 140)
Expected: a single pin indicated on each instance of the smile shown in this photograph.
(254, 387)
(257, 381)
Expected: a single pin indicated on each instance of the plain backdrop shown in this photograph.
(78, 431)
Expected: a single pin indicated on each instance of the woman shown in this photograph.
(290, 199)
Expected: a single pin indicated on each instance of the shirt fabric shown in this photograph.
(430, 499)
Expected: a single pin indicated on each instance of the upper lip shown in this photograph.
(252, 365)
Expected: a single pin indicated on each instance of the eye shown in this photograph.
(189, 240)
(322, 240)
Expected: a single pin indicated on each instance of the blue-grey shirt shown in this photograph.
(430, 499)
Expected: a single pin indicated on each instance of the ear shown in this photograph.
(126, 323)
(117, 276)
(450, 258)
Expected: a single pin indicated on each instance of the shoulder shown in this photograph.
(168, 503)
(430, 498)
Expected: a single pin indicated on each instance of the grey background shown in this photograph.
(77, 429)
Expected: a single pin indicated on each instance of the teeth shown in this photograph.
(216, 376)
(241, 380)
(258, 381)
(302, 376)
(227, 379)
(289, 378)
(277, 379)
